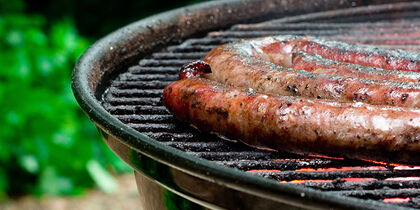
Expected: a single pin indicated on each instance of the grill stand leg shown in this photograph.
(151, 194)
(155, 197)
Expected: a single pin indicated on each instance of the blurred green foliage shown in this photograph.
(47, 145)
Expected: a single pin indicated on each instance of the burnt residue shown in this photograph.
(195, 104)
(193, 69)
(186, 95)
(404, 96)
(292, 89)
(295, 89)
(221, 112)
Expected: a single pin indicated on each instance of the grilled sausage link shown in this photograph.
(246, 64)
(320, 65)
(271, 47)
(298, 125)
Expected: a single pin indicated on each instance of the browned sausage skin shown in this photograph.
(320, 65)
(270, 48)
(249, 64)
(298, 125)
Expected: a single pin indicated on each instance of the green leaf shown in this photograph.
(53, 184)
(14, 38)
(45, 65)
(64, 139)
(48, 181)
(29, 163)
(101, 176)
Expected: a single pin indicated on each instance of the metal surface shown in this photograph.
(134, 99)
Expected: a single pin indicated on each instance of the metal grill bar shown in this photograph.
(134, 98)
(136, 92)
(209, 41)
(380, 194)
(140, 84)
(119, 110)
(153, 70)
(158, 127)
(163, 136)
(355, 15)
(302, 175)
(147, 77)
(146, 118)
(413, 23)
(288, 164)
(234, 156)
(153, 62)
(170, 55)
(379, 17)
(319, 32)
(365, 185)
(131, 101)
(340, 37)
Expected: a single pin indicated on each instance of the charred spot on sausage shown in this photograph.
(404, 96)
(294, 89)
(221, 112)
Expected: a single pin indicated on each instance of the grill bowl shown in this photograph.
(165, 169)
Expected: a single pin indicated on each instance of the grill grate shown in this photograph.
(134, 98)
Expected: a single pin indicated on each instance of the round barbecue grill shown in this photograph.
(119, 80)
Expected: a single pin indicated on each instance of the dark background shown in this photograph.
(95, 18)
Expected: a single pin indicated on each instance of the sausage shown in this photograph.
(296, 124)
(247, 92)
(318, 64)
(245, 65)
(279, 48)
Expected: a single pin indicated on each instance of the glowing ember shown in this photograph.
(286, 159)
(403, 179)
(382, 163)
(330, 180)
(396, 200)
(358, 179)
(327, 157)
(347, 168)
(305, 169)
(310, 180)
(265, 148)
(263, 170)
(294, 181)
(396, 166)
(401, 167)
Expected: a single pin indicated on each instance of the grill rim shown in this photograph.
(98, 64)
